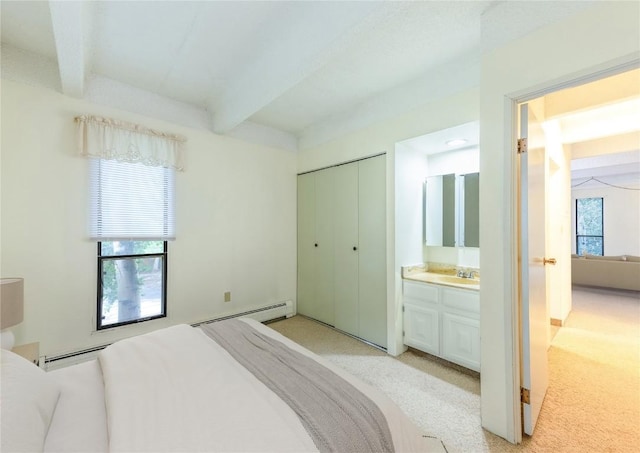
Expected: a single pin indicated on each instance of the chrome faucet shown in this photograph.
(463, 274)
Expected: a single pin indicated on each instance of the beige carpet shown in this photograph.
(593, 401)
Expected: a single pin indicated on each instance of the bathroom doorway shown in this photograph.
(591, 129)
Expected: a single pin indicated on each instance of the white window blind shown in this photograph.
(131, 178)
(131, 201)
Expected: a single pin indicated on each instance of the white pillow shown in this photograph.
(28, 398)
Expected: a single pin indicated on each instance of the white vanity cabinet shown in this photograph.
(443, 321)
(422, 317)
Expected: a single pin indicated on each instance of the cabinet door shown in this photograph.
(421, 328)
(346, 248)
(372, 250)
(461, 340)
(306, 241)
(324, 246)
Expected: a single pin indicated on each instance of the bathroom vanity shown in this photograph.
(441, 314)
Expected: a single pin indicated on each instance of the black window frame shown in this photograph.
(102, 258)
(601, 236)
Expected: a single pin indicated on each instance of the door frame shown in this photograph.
(512, 101)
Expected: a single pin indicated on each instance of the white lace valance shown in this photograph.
(126, 142)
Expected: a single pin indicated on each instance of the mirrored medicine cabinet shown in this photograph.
(452, 210)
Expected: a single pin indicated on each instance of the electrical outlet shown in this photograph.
(227, 296)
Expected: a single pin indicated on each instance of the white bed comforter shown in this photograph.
(177, 390)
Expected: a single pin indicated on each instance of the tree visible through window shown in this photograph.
(589, 226)
(132, 283)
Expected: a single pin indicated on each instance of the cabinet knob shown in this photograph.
(355, 248)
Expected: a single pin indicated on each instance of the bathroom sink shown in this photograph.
(457, 280)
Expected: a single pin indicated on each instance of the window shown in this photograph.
(133, 281)
(589, 226)
(131, 216)
(132, 171)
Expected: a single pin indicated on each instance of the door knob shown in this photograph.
(549, 261)
(315, 245)
(355, 248)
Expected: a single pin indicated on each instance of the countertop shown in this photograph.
(444, 277)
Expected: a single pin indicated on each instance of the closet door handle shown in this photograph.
(355, 248)
(316, 244)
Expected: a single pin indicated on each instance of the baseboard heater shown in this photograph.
(50, 363)
(264, 314)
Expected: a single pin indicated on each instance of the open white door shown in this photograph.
(534, 317)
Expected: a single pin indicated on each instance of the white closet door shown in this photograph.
(346, 248)
(324, 246)
(306, 241)
(372, 250)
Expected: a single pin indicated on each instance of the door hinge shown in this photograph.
(403, 309)
(522, 145)
(525, 396)
(403, 333)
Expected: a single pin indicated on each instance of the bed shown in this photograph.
(233, 386)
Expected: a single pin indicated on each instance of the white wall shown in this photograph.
(460, 162)
(235, 220)
(410, 171)
(621, 217)
(602, 37)
(434, 116)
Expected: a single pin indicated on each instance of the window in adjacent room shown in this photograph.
(131, 217)
(589, 226)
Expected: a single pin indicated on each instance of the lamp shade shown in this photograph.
(11, 302)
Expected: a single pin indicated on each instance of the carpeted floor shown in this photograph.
(593, 400)
(592, 404)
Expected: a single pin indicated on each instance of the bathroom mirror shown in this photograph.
(439, 210)
(452, 210)
(470, 207)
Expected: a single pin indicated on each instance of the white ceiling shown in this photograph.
(437, 142)
(295, 68)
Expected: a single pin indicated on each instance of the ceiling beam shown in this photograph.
(71, 30)
(296, 49)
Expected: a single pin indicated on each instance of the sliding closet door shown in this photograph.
(324, 246)
(342, 248)
(306, 241)
(372, 251)
(346, 248)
